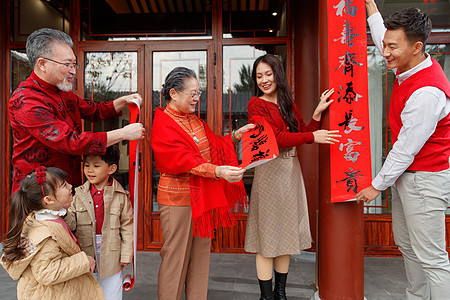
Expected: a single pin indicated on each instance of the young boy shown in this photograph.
(102, 217)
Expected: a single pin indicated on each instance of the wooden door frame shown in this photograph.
(4, 116)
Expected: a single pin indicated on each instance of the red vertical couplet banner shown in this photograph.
(347, 59)
(129, 279)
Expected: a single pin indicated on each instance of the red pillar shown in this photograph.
(341, 225)
(306, 88)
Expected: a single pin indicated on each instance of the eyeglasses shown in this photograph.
(193, 95)
(74, 66)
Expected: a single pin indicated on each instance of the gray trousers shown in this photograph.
(419, 201)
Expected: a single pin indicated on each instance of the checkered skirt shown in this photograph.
(278, 222)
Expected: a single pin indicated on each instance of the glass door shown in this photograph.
(161, 62)
(237, 89)
(108, 72)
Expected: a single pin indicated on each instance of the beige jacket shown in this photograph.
(117, 229)
(54, 268)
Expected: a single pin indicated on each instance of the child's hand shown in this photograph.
(123, 265)
(91, 263)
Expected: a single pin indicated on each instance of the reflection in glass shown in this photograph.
(51, 14)
(254, 18)
(102, 19)
(109, 75)
(20, 68)
(376, 74)
(163, 63)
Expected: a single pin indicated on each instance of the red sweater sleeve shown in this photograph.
(285, 139)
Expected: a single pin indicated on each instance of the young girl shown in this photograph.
(277, 223)
(39, 250)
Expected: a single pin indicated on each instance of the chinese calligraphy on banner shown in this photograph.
(258, 145)
(347, 60)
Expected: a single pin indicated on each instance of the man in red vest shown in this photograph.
(418, 165)
(46, 116)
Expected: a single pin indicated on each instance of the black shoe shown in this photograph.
(279, 291)
(266, 289)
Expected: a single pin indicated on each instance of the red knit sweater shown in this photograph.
(46, 129)
(434, 154)
(285, 139)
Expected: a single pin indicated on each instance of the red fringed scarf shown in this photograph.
(174, 152)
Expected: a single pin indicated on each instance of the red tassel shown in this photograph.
(204, 225)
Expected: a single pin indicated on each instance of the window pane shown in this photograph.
(242, 18)
(437, 10)
(30, 15)
(377, 107)
(104, 19)
(109, 75)
(441, 53)
(20, 68)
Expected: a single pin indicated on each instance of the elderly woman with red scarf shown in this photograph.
(199, 185)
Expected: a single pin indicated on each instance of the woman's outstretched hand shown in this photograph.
(230, 173)
(238, 133)
(323, 104)
(326, 136)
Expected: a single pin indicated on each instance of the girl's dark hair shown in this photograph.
(414, 22)
(175, 80)
(26, 200)
(285, 100)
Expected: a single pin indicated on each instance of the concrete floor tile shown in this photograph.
(233, 277)
(220, 295)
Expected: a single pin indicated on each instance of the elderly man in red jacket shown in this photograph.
(46, 115)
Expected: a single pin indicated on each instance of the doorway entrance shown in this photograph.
(111, 70)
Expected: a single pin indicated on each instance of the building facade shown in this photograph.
(127, 46)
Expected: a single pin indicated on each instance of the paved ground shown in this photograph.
(233, 276)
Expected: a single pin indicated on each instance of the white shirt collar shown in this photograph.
(405, 75)
(48, 214)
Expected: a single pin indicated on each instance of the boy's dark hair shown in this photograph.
(414, 22)
(112, 155)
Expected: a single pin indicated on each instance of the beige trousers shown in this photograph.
(419, 202)
(185, 259)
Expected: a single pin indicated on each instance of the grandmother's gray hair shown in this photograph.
(175, 80)
(39, 43)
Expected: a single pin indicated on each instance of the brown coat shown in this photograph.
(55, 267)
(117, 229)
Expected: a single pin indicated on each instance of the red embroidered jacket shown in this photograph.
(46, 129)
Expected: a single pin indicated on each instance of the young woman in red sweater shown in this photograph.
(278, 224)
